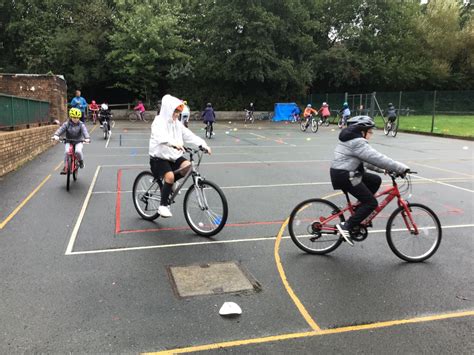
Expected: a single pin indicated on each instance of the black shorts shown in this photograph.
(159, 167)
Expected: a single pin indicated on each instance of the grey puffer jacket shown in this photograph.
(76, 131)
(354, 151)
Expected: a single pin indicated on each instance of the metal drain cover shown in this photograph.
(211, 279)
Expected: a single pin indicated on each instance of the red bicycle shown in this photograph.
(72, 165)
(413, 230)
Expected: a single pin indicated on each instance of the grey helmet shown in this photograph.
(364, 122)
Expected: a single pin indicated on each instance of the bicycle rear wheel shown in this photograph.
(312, 226)
(314, 125)
(106, 129)
(405, 242)
(205, 208)
(75, 172)
(146, 195)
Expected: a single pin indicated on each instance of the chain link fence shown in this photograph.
(438, 112)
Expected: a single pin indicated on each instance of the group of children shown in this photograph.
(352, 155)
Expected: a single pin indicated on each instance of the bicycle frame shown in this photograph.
(391, 193)
(72, 153)
(194, 171)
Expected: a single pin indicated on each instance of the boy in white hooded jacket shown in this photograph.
(168, 136)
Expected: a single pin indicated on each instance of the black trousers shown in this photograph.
(364, 192)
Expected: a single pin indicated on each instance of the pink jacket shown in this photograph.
(325, 111)
(140, 107)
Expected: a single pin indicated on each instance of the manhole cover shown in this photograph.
(211, 279)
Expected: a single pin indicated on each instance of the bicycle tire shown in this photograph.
(207, 217)
(303, 126)
(68, 174)
(143, 184)
(106, 130)
(386, 129)
(295, 222)
(132, 116)
(326, 122)
(394, 129)
(314, 125)
(75, 173)
(425, 230)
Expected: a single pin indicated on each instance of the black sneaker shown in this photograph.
(344, 232)
(81, 164)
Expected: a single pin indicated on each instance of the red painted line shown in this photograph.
(117, 204)
(241, 224)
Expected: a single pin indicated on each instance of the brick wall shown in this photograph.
(51, 88)
(18, 147)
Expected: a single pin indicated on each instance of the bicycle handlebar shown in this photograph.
(66, 140)
(395, 175)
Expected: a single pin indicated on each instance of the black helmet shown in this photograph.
(364, 122)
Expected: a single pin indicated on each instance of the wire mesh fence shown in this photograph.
(439, 112)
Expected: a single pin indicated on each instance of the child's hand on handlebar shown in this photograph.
(87, 140)
(56, 138)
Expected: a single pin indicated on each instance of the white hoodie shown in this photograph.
(166, 133)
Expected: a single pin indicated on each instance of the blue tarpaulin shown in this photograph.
(284, 110)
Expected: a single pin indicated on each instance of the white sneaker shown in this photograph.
(344, 232)
(101, 126)
(165, 212)
(213, 134)
(175, 187)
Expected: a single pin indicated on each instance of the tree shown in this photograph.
(147, 48)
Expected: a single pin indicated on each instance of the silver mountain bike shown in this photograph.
(205, 205)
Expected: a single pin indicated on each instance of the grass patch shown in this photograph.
(462, 126)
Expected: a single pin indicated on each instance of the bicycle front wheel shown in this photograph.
(312, 226)
(69, 170)
(394, 128)
(132, 116)
(414, 236)
(205, 208)
(146, 195)
(303, 125)
(314, 125)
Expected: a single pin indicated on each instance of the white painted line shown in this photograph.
(258, 135)
(385, 182)
(235, 162)
(81, 214)
(242, 146)
(228, 241)
(442, 183)
(108, 140)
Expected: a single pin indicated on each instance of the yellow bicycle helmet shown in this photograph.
(75, 113)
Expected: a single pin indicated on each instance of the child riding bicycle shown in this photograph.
(140, 110)
(75, 129)
(352, 155)
(168, 136)
(324, 111)
(345, 113)
(209, 117)
(308, 113)
(391, 113)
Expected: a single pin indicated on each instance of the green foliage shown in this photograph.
(234, 52)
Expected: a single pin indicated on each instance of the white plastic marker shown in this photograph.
(229, 309)
(226, 132)
(308, 139)
(465, 147)
(200, 224)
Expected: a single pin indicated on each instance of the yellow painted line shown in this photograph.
(290, 336)
(93, 129)
(58, 166)
(288, 288)
(441, 169)
(23, 203)
(398, 322)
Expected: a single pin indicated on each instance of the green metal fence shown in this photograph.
(16, 111)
